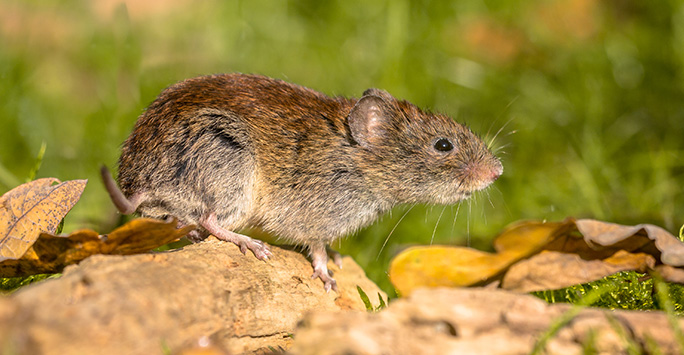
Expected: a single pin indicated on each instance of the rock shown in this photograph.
(209, 298)
(479, 321)
(166, 302)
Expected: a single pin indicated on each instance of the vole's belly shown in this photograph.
(305, 220)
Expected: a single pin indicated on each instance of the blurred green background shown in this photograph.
(587, 94)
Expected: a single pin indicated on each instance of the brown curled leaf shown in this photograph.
(641, 236)
(670, 273)
(51, 253)
(551, 270)
(534, 256)
(34, 208)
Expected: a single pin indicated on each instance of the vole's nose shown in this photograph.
(496, 171)
(483, 173)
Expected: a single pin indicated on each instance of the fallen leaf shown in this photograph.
(535, 256)
(610, 235)
(550, 270)
(51, 253)
(671, 274)
(442, 266)
(435, 266)
(34, 208)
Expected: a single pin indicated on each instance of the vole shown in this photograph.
(229, 151)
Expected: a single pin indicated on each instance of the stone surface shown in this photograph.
(478, 321)
(152, 303)
(209, 293)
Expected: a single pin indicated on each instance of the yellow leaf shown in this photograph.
(436, 266)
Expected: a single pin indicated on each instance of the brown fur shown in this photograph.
(310, 168)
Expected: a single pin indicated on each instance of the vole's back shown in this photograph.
(242, 146)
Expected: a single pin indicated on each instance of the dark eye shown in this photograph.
(443, 145)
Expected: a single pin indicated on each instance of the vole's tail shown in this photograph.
(123, 204)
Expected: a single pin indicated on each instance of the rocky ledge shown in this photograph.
(208, 297)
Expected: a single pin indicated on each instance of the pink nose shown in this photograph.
(496, 172)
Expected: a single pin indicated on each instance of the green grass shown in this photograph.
(624, 290)
(589, 96)
(10, 284)
(367, 302)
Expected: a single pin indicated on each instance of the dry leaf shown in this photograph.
(50, 253)
(552, 270)
(670, 273)
(610, 235)
(534, 256)
(435, 266)
(591, 250)
(33, 208)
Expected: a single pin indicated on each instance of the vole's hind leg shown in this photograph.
(319, 261)
(259, 248)
(195, 235)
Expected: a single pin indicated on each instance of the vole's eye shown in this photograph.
(444, 145)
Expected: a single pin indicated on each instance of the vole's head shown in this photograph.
(416, 156)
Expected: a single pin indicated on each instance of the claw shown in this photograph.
(328, 282)
(319, 261)
(335, 256)
(259, 248)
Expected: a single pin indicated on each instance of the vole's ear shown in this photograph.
(367, 118)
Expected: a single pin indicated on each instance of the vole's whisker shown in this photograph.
(505, 206)
(497, 150)
(489, 130)
(392, 231)
(453, 224)
(484, 216)
(436, 225)
(489, 197)
(470, 215)
(510, 103)
(491, 141)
